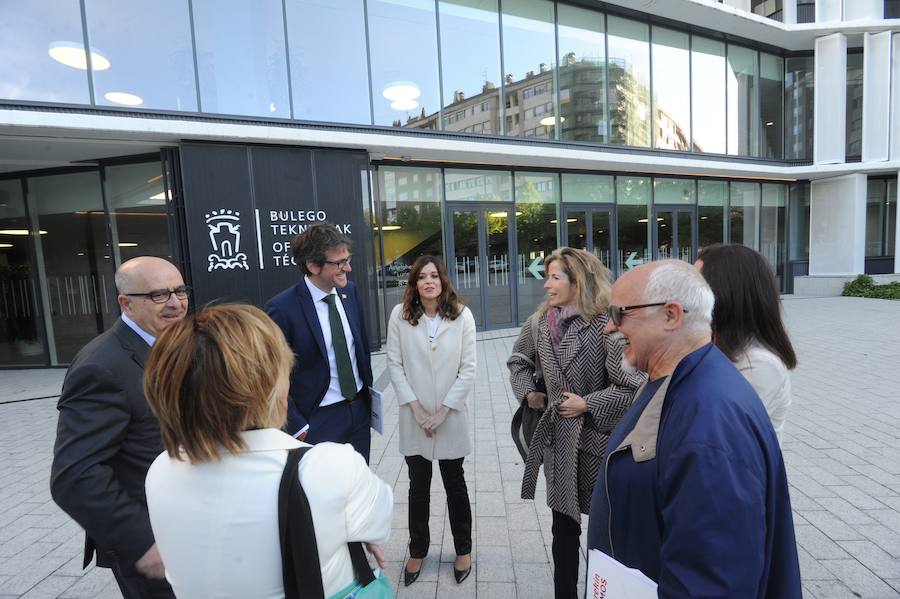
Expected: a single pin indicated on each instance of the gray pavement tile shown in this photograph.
(831, 589)
(859, 579)
(845, 510)
(864, 499)
(494, 564)
(887, 539)
(528, 547)
(818, 545)
(50, 588)
(493, 590)
(811, 568)
(491, 531)
(489, 504)
(873, 557)
(418, 590)
(533, 581)
(835, 528)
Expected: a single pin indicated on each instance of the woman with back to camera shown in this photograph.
(587, 392)
(431, 358)
(218, 382)
(747, 324)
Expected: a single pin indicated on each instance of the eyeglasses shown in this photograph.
(161, 296)
(617, 313)
(339, 263)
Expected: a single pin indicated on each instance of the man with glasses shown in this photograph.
(107, 437)
(322, 320)
(692, 490)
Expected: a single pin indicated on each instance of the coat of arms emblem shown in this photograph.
(225, 237)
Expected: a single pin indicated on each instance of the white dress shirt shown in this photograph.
(150, 339)
(333, 395)
(216, 523)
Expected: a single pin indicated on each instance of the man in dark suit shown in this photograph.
(107, 437)
(322, 320)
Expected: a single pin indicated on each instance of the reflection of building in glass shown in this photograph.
(581, 102)
(629, 115)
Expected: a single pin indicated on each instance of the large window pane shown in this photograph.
(671, 89)
(80, 290)
(329, 70)
(529, 50)
(743, 211)
(673, 191)
(743, 101)
(772, 225)
(799, 230)
(890, 220)
(403, 43)
(628, 71)
(241, 57)
(588, 189)
(21, 330)
(148, 45)
(633, 210)
(409, 224)
(537, 195)
(711, 200)
(799, 77)
(876, 210)
(854, 103)
(470, 61)
(582, 74)
(708, 93)
(771, 105)
(137, 211)
(469, 185)
(31, 34)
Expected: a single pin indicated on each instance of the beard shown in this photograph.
(621, 340)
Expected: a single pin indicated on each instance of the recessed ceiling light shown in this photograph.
(127, 244)
(72, 54)
(401, 90)
(124, 98)
(18, 232)
(388, 228)
(6, 245)
(549, 121)
(404, 104)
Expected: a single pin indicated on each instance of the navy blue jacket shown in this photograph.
(693, 490)
(293, 311)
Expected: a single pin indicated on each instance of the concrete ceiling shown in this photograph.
(32, 152)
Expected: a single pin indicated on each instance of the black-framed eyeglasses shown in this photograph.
(161, 296)
(617, 313)
(339, 263)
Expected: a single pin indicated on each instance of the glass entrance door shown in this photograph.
(675, 233)
(590, 228)
(479, 262)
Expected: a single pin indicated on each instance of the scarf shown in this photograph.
(558, 320)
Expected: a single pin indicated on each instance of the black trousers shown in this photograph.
(458, 506)
(135, 585)
(566, 549)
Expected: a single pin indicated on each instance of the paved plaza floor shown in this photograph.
(842, 449)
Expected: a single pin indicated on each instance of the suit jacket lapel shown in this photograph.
(132, 342)
(312, 318)
(347, 300)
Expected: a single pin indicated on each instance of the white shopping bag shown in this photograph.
(377, 410)
(609, 579)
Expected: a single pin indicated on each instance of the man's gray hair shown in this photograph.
(676, 280)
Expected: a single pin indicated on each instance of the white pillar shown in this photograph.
(895, 99)
(863, 9)
(789, 12)
(828, 10)
(830, 126)
(876, 116)
(837, 226)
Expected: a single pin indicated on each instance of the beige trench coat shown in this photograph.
(441, 372)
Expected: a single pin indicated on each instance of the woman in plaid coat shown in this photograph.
(587, 392)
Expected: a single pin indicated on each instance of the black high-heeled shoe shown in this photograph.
(411, 577)
(461, 575)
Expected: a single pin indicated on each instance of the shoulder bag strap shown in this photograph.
(300, 566)
(535, 335)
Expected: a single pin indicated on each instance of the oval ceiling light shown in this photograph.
(401, 90)
(549, 121)
(124, 98)
(72, 54)
(404, 104)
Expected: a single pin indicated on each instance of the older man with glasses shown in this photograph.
(107, 437)
(692, 490)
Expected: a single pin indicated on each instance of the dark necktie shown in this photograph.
(341, 353)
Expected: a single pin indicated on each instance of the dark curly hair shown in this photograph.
(311, 244)
(449, 303)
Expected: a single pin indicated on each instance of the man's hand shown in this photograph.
(150, 564)
(573, 405)
(435, 420)
(377, 552)
(536, 400)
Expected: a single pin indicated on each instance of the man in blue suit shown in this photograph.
(323, 322)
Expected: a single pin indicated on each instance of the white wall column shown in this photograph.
(837, 226)
(828, 10)
(876, 114)
(789, 12)
(895, 99)
(863, 9)
(830, 127)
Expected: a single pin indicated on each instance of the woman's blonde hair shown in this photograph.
(590, 277)
(215, 374)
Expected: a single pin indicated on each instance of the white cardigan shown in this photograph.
(216, 523)
(769, 377)
(440, 372)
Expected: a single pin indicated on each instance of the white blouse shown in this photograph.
(771, 380)
(216, 523)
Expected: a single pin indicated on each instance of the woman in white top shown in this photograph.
(431, 358)
(747, 323)
(218, 383)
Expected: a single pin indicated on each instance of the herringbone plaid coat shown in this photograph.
(588, 363)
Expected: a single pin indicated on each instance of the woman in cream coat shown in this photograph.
(431, 358)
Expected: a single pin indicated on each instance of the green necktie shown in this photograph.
(341, 353)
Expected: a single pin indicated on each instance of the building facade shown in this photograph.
(486, 131)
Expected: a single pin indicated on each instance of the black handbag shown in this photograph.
(300, 565)
(525, 420)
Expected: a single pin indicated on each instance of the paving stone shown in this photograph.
(859, 579)
(873, 557)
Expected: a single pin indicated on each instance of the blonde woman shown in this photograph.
(587, 392)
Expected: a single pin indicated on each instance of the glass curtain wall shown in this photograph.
(771, 106)
(582, 74)
(881, 217)
(529, 51)
(470, 65)
(798, 248)
(772, 223)
(799, 78)
(628, 72)
(743, 213)
(136, 203)
(21, 329)
(633, 215)
(854, 103)
(671, 89)
(708, 87)
(537, 198)
(589, 190)
(743, 101)
(712, 199)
